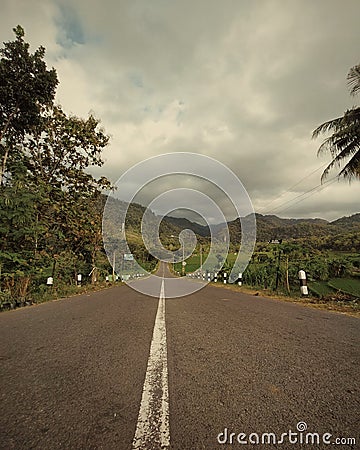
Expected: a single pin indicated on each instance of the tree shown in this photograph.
(50, 206)
(344, 143)
(57, 154)
(60, 149)
(25, 87)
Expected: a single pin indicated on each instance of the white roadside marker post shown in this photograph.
(50, 283)
(303, 286)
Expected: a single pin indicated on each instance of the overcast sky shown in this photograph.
(245, 82)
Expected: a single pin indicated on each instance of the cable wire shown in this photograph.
(291, 187)
(316, 189)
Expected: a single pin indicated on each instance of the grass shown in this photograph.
(348, 285)
(321, 288)
(193, 262)
(344, 307)
(45, 294)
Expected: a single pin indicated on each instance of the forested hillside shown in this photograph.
(342, 234)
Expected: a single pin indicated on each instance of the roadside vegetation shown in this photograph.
(50, 206)
(332, 277)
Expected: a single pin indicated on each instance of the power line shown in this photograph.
(314, 190)
(298, 196)
(291, 187)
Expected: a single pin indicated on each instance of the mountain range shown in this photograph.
(342, 233)
(274, 227)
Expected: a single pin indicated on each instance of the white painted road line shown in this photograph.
(153, 430)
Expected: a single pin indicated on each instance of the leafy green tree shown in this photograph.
(61, 148)
(17, 218)
(50, 206)
(338, 267)
(344, 143)
(25, 87)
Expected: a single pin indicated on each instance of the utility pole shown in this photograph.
(287, 274)
(278, 242)
(278, 271)
(183, 258)
(201, 261)
(113, 267)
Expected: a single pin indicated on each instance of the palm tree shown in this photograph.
(354, 79)
(344, 143)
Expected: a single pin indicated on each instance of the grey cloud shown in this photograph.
(244, 82)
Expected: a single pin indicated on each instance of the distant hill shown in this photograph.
(340, 234)
(347, 221)
(343, 233)
(201, 230)
(270, 227)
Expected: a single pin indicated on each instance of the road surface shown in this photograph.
(117, 369)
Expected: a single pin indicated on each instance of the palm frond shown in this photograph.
(352, 168)
(345, 152)
(325, 127)
(344, 143)
(354, 79)
(352, 116)
(327, 170)
(347, 139)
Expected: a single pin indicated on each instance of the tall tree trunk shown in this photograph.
(3, 165)
(6, 154)
(287, 275)
(94, 269)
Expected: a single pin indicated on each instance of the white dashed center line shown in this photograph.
(152, 430)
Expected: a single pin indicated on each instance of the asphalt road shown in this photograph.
(73, 371)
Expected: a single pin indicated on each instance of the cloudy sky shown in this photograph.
(244, 82)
